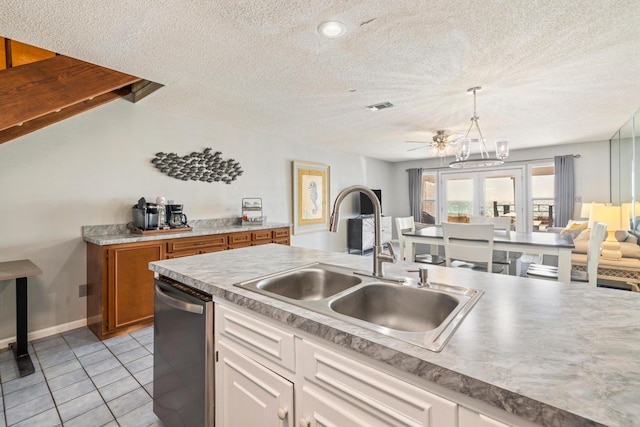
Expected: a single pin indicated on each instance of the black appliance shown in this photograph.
(175, 217)
(366, 206)
(183, 363)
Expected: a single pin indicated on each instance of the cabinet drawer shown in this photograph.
(261, 236)
(370, 392)
(239, 240)
(281, 233)
(197, 243)
(262, 340)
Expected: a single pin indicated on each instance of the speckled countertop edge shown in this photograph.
(118, 233)
(533, 348)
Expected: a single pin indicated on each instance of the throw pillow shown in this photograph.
(584, 235)
(580, 246)
(574, 229)
(621, 235)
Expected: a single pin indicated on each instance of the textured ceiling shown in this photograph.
(552, 71)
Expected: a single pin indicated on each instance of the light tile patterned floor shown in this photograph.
(81, 381)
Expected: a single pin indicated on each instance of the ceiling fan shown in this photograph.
(443, 144)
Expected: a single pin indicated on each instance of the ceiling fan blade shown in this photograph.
(417, 148)
(419, 142)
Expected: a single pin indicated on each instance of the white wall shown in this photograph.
(90, 170)
(591, 172)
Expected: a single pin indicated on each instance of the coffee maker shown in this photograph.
(145, 215)
(175, 217)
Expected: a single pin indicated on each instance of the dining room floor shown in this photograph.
(81, 381)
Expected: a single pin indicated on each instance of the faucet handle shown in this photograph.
(423, 272)
(392, 253)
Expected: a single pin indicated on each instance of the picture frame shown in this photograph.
(311, 192)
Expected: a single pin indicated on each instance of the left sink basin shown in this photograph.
(314, 282)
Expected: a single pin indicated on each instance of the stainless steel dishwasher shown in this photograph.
(183, 365)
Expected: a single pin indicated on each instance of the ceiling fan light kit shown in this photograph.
(463, 147)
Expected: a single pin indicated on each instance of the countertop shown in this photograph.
(552, 353)
(117, 234)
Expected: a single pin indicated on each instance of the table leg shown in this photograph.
(410, 251)
(20, 351)
(564, 265)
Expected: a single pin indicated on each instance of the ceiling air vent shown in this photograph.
(381, 106)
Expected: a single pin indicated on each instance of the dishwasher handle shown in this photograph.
(178, 304)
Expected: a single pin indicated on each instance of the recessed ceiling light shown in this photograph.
(332, 29)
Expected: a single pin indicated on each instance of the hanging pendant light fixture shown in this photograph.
(463, 149)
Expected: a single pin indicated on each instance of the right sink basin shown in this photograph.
(397, 307)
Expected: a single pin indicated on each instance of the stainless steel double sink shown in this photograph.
(423, 316)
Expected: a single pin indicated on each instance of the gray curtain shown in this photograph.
(415, 193)
(563, 190)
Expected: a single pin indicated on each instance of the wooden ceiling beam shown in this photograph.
(51, 118)
(49, 86)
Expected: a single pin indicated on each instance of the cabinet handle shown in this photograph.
(304, 422)
(282, 413)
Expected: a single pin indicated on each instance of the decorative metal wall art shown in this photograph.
(207, 166)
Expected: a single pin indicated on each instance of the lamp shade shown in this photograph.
(615, 217)
(630, 208)
(585, 212)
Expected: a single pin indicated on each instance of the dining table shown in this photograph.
(533, 243)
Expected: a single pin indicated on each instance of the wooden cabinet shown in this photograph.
(361, 232)
(120, 286)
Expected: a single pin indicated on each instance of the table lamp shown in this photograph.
(585, 212)
(616, 218)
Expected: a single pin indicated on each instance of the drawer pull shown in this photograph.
(282, 413)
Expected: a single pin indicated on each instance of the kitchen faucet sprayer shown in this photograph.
(379, 257)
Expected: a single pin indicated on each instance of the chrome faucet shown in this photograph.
(379, 257)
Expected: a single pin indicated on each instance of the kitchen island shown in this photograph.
(549, 353)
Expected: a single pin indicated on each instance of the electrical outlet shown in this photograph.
(82, 290)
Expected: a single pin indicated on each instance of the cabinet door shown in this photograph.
(361, 392)
(130, 283)
(248, 394)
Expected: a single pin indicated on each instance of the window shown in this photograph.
(428, 202)
(542, 196)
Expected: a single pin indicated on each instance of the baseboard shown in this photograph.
(42, 333)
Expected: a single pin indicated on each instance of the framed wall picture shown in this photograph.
(310, 197)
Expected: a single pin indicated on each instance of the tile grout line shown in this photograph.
(140, 341)
(92, 382)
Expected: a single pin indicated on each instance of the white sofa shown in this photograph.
(626, 269)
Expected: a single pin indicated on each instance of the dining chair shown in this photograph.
(501, 223)
(469, 245)
(405, 224)
(598, 231)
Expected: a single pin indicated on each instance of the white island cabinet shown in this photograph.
(263, 368)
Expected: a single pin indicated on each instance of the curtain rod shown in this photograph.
(575, 156)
